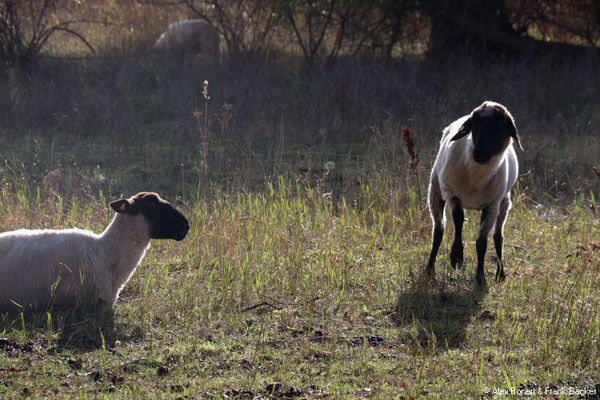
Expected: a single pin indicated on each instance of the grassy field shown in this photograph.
(302, 274)
(288, 292)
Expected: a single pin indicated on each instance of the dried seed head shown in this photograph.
(205, 90)
(409, 139)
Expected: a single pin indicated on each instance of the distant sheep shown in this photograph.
(42, 268)
(475, 171)
(192, 36)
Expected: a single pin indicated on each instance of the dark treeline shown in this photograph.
(323, 30)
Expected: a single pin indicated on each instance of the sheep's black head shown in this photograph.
(491, 127)
(164, 219)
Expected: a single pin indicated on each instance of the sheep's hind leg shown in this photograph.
(436, 205)
(438, 234)
(499, 237)
(488, 217)
(458, 216)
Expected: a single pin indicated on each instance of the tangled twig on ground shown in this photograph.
(261, 304)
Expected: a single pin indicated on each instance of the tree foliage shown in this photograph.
(323, 30)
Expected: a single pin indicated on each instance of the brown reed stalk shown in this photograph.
(409, 139)
(592, 205)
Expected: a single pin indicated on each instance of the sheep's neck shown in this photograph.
(476, 174)
(124, 242)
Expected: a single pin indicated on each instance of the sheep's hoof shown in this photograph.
(500, 277)
(456, 256)
(430, 271)
(480, 279)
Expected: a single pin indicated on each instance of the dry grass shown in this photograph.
(287, 292)
(133, 119)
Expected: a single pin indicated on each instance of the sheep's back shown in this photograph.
(36, 264)
(189, 36)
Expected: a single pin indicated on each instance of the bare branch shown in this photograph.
(70, 31)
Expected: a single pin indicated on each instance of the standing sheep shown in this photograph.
(42, 268)
(192, 36)
(478, 173)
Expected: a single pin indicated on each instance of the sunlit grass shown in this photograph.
(325, 296)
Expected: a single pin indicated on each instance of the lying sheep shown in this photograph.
(42, 268)
(475, 171)
(192, 36)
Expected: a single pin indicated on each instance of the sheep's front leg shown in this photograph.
(499, 237)
(488, 217)
(458, 216)
(436, 206)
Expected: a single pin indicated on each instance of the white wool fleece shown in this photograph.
(40, 268)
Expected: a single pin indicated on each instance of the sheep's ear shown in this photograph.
(512, 129)
(464, 130)
(517, 139)
(122, 206)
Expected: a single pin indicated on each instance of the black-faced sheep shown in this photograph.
(476, 168)
(42, 268)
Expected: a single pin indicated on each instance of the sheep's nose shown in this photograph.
(185, 228)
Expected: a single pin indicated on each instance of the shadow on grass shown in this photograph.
(435, 314)
(78, 329)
